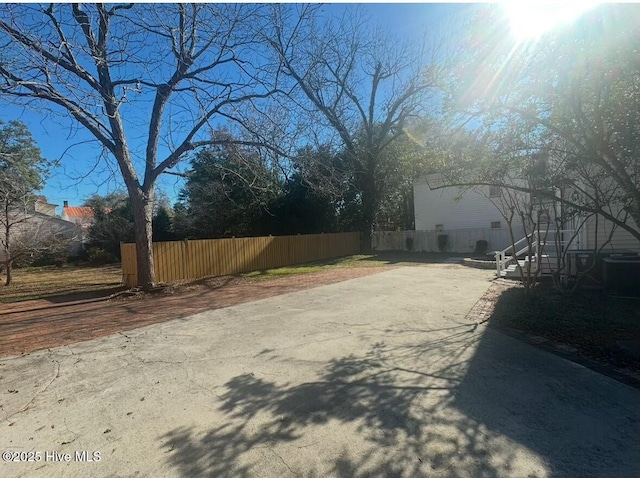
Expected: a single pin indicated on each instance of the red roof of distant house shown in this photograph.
(79, 211)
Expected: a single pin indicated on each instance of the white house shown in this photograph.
(621, 240)
(455, 209)
(83, 216)
(469, 215)
(41, 225)
(465, 216)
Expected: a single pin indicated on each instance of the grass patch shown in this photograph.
(406, 258)
(599, 327)
(49, 282)
(359, 260)
(46, 282)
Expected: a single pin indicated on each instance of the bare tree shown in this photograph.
(28, 237)
(532, 216)
(572, 97)
(356, 82)
(14, 203)
(23, 232)
(149, 82)
(22, 172)
(543, 229)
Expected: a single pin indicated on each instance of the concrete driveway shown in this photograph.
(377, 376)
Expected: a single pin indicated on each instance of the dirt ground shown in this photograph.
(36, 325)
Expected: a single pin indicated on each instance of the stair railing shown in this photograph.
(501, 256)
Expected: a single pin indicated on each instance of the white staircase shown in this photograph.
(534, 252)
(547, 265)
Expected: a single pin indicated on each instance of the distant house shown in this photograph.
(40, 225)
(83, 216)
(44, 207)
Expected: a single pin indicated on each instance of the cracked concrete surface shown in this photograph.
(377, 376)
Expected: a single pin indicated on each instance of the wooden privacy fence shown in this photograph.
(179, 260)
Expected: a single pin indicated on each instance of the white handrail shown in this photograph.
(501, 256)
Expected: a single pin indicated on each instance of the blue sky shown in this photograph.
(81, 175)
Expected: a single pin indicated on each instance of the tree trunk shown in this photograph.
(142, 217)
(368, 213)
(7, 248)
(634, 212)
(9, 273)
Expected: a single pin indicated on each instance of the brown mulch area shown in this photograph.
(32, 327)
(483, 309)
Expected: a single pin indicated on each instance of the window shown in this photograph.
(495, 225)
(494, 191)
(439, 227)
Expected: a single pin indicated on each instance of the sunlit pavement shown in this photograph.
(377, 376)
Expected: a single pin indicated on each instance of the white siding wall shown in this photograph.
(466, 216)
(40, 227)
(439, 206)
(473, 212)
(45, 208)
(620, 241)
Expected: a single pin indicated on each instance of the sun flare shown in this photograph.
(530, 20)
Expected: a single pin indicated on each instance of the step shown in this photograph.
(547, 264)
(512, 273)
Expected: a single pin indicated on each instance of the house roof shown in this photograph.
(54, 219)
(43, 200)
(78, 211)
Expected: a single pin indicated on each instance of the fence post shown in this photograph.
(124, 278)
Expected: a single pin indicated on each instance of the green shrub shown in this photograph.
(409, 243)
(53, 253)
(443, 242)
(99, 256)
(24, 260)
(481, 246)
(48, 259)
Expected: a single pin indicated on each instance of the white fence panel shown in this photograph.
(460, 240)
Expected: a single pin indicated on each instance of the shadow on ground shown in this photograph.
(65, 297)
(588, 327)
(456, 402)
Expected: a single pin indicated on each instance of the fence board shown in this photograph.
(460, 240)
(180, 260)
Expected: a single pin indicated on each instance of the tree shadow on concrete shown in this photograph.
(455, 402)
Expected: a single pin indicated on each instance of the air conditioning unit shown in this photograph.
(622, 276)
(579, 261)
